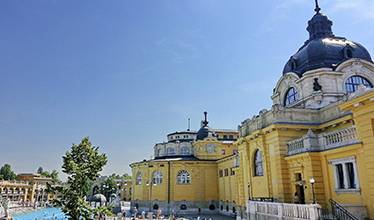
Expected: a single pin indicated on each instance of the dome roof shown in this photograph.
(323, 48)
(205, 131)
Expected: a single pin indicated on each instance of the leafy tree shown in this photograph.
(109, 186)
(126, 176)
(6, 173)
(82, 164)
(53, 175)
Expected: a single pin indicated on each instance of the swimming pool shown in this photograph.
(42, 214)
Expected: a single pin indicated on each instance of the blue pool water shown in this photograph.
(42, 214)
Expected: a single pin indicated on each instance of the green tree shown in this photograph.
(109, 186)
(6, 173)
(53, 175)
(82, 164)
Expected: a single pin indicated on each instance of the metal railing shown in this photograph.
(340, 212)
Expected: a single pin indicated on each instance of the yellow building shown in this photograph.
(183, 176)
(125, 190)
(28, 189)
(315, 145)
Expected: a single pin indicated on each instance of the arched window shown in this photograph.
(291, 96)
(157, 177)
(352, 83)
(170, 151)
(185, 150)
(139, 178)
(258, 163)
(158, 152)
(183, 177)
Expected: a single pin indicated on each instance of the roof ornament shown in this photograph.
(205, 122)
(317, 9)
(189, 124)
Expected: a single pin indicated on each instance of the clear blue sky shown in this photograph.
(125, 73)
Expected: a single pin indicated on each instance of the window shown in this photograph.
(231, 137)
(232, 172)
(352, 83)
(185, 151)
(291, 96)
(139, 178)
(345, 174)
(183, 177)
(157, 177)
(258, 163)
(170, 151)
(220, 173)
(224, 136)
(226, 172)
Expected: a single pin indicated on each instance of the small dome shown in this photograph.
(323, 49)
(98, 198)
(205, 131)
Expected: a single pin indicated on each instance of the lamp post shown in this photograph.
(249, 191)
(312, 181)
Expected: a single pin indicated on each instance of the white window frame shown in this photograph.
(183, 177)
(343, 162)
(157, 178)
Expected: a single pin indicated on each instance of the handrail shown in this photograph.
(340, 212)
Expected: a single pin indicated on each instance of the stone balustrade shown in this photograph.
(328, 140)
(272, 210)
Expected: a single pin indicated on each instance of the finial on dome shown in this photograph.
(317, 9)
(205, 122)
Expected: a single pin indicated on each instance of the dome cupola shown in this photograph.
(204, 131)
(323, 49)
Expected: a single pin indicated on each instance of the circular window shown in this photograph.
(212, 207)
(155, 206)
(183, 207)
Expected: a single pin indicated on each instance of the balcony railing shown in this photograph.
(284, 210)
(324, 141)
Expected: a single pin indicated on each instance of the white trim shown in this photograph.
(343, 162)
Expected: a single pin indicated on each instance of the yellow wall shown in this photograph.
(203, 185)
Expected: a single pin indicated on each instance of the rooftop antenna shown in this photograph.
(189, 124)
(317, 9)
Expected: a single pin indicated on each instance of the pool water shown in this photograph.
(42, 214)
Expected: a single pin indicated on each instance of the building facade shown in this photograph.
(183, 176)
(315, 144)
(28, 189)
